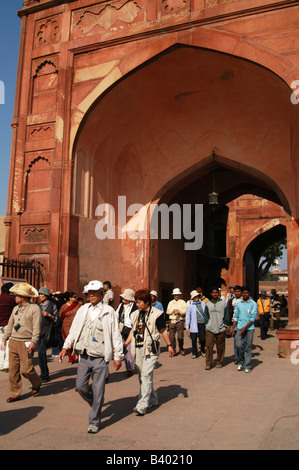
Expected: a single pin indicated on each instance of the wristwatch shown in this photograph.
(169, 345)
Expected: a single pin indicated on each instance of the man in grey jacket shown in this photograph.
(95, 336)
(217, 323)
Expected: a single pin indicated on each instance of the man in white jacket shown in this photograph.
(95, 337)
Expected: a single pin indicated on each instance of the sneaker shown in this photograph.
(240, 367)
(193, 357)
(139, 412)
(207, 367)
(92, 429)
(247, 371)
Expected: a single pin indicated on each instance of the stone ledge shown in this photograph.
(286, 336)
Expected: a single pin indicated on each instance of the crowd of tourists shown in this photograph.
(91, 331)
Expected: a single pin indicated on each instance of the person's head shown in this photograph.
(263, 294)
(238, 291)
(154, 296)
(143, 299)
(70, 296)
(194, 296)
(44, 294)
(176, 293)
(215, 293)
(80, 300)
(245, 293)
(24, 293)
(107, 285)
(6, 287)
(200, 292)
(231, 289)
(273, 292)
(95, 291)
(127, 296)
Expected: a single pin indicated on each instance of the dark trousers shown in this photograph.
(201, 335)
(264, 326)
(179, 329)
(42, 358)
(211, 339)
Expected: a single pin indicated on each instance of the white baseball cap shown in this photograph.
(155, 293)
(93, 285)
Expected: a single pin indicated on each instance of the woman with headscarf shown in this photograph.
(67, 314)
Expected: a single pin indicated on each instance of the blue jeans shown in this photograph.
(244, 348)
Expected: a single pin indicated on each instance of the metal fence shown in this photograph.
(22, 270)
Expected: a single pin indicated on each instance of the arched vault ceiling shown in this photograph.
(175, 109)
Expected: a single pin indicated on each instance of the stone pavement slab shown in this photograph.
(219, 409)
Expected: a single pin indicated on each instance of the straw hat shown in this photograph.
(193, 294)
(128, 294)
(24, 290)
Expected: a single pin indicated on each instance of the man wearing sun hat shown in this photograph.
(123, 315)
(176, 310)
(95, 337)
(23, 332)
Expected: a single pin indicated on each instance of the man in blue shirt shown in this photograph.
(155, 301)
(244, 318)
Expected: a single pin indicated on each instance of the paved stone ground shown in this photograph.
(220, 409)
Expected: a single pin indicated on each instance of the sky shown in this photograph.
(10, 26)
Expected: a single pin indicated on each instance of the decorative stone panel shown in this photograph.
(34, 234)
(214, 3)
(108, 17)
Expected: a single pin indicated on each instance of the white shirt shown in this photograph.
(95, 311)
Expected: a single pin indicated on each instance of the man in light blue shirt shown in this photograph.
(155, 301)
(244, 318)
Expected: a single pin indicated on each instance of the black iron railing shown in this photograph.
(22, 270)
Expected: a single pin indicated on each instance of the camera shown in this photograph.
(17, 326)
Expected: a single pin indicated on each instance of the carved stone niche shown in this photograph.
(32, 234)
(47, 31)
(175, 6)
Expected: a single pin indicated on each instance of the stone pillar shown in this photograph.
(288, 335)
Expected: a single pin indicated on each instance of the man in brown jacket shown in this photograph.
(23, 331)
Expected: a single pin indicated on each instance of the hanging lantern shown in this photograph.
(213, 198)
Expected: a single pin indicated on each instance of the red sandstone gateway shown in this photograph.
(161, 101)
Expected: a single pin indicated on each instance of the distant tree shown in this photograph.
(268, 257)
(270, 277)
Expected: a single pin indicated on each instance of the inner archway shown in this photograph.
(254, 251)
(204, 267)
